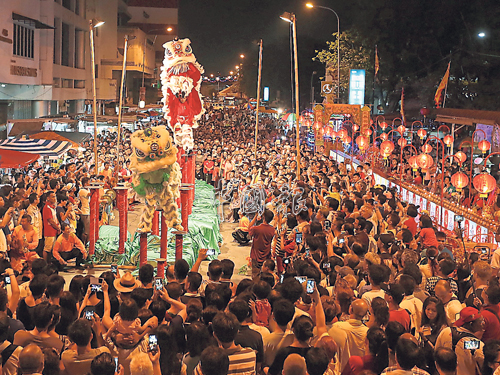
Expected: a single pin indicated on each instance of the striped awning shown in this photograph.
(43, 147)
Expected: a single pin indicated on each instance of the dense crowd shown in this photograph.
(346, 277)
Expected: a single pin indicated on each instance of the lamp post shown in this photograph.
(120, 105)
(310, 5)
(93, 23)
(312, 89)
(290, 17)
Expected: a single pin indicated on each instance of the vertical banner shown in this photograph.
(357, 86)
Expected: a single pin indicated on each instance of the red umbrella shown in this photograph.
(16, 159)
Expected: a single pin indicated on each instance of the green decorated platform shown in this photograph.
(204, 232)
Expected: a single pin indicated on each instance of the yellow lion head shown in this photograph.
(152, 149)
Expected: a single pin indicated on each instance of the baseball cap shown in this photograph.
(467, 315)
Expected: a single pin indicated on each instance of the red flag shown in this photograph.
(402, 110)
(438, 98)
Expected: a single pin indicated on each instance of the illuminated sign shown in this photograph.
(357, 87)
(327, 88)
(266, 94)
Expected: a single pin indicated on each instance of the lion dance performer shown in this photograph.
(181, 81)
(156, 175)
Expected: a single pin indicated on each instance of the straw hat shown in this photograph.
(126, 283)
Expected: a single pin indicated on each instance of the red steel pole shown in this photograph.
(122, 200)
(155, 229)
(163, 247)
(94, 197)
(143, 252)
(178, 246)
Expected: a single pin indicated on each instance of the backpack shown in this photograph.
(7, 352)
(457, 335)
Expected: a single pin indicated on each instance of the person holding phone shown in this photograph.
(78, 360)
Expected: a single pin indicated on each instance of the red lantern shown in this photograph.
(484, 146)
(484, 184)
(386, 148)
(383, 125)
(425, 161)
(384, 136)
(347, 140)
(448, 140)
(427, 148)
(321, 132)
(307, 123)
(317, 125)
(461, 157)
(413, 162)
(334, 134)
(402, 142)
(367, 132)
(422, 133)
(362, 142)
(342, 133)
(401, 129)
(459, 180)
(425, 111)
(355, 127)
(328, 131)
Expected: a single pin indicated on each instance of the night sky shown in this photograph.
(220, 30)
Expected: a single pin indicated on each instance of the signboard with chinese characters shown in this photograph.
(357, 86)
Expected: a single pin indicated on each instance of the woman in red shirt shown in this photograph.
(427, 233)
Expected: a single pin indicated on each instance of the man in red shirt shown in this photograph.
(262, 235)
(394, 294)
(50, 225)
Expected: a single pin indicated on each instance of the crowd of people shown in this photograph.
(346, 278)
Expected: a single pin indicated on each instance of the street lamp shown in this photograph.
(481, 34)
(310, 5)
(290, 17)
(242, 56)
(93, 23)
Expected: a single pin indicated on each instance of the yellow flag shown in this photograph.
(377, 64)
(444, 82)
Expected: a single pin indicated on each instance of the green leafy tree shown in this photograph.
(355, 53)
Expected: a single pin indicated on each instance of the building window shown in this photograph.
(79, 83)
(65, 44)
(67, 83)
(23, 41)
(67, 4)
(56, 82)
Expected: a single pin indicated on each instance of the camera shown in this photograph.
(114, 269)
(310, 285)
(341, 241)
(7, 279)
(158, 283)
(328, 224)
(301, 279)
(89, 313)
(210, 252)
(471, 344)
(459, 218)
(326, 265)
(286, 261)
(152, 343)
(298, 238)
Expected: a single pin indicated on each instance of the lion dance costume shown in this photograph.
(181, 80)
(156, 176)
